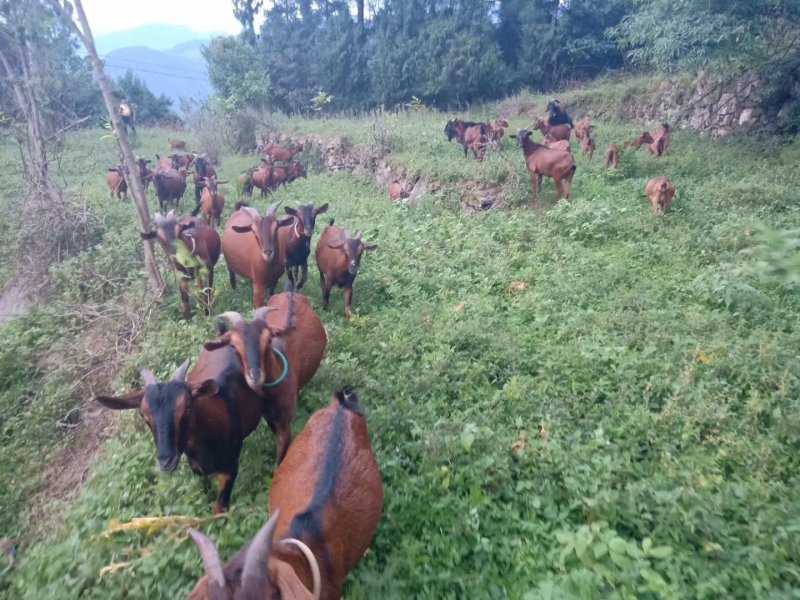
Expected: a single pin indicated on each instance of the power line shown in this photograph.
(142, 62)
(137, 69)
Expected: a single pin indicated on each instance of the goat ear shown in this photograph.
(321, 209)
(370, 246)
(147, 236)
(185, 226)
(290, 211)
(240, 229)
(224, 340)
(286, 221)
(336, 246)
(221, 181)
(513, 136)
(124, 402)
(209, 387)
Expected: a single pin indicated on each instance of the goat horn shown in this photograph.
(171, 215)
(234, 317)
(211, 563)
(254, 572)
(158, 219)
(180, 372)
(260, 314)
(273, 208)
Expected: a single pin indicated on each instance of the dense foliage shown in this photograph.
(445, 52)
(579, 402)
(451, 53)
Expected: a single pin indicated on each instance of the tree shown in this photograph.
(245, 12)
(732, 35)
(84, 33)
(236, 73)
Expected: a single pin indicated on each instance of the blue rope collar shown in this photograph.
(280, 379)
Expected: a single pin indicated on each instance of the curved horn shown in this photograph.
(180, 372)
(260, 314)
(148, 377)
(170, 215)
(211, 564)
(271, 210)
(158, 219)
(234, 317)
(254, 572)
(250, 211)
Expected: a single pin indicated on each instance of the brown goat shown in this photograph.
(326, 501)
(177, 145)
(205, 416)
(275, 152)
(145, 173)
(612, 157)
(472, 136)
(557, 132)
(203, 245)
(338, 257)
(211, 201)
(284, 175)
(262, 178)
(202, 169)
(251, 249)
(295, 241)
(541, 160)
(660, 143)
(497, 130)
(397, 191)
(116, 182)
(183, 160)
(583, 129)
(170, 186)
(277, 360)
(660, 192)
(588, 146)
(644, 138)
(166, 163)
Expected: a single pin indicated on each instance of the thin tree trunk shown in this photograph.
(129, 163)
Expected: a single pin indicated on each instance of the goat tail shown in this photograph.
(330, 223)
(348, 399)
(574, 168)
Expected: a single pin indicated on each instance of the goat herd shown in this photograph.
(326, 495)
(553, 157)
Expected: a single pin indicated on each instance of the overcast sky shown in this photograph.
(108, 16)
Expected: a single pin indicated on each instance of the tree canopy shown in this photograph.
(452, 52)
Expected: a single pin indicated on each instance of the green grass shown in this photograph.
(627, 425)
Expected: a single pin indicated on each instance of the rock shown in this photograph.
(746, 116)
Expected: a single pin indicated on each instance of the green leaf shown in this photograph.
(660, 552)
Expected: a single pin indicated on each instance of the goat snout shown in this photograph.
(254, 377)
(168, 463)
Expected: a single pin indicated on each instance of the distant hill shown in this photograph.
(177, 71)
(155, 37)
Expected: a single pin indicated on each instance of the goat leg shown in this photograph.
(226, 481)
(183, 284)
(348, 299)
(303, 275)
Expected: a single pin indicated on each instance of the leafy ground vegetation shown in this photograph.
(584, 401)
